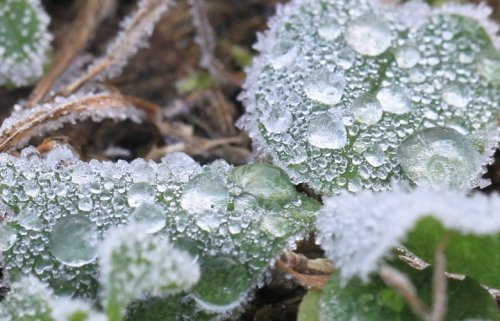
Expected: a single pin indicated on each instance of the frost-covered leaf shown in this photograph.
(354, 94)
(357, 231)
(374, 300)
(61, 209)
(66, 309)
(29, 300)
(133, 263)
(24, 41)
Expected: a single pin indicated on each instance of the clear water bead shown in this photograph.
(326, 130)
(325, 86)
(8, 237)
(205, 192)
(439, 156)
(329, 29)
(277, 119)
(394, 99)
(456, 95)
(283, 54)
(140, 193)
(367, 109)
(73, 240)
(407, 56)
(151, 216)
(369, 35)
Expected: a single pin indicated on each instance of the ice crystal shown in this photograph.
(339, 85)
(357, 231)
(133, 263)
(246, 215)
(24, 41)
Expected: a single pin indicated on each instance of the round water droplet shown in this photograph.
(354, 185)
(205, 192)
(283, 54)
(439, 156)
(325, 86)
(456, 95)
(269, 184)
(369, 35)
(29, 220)
(367, 109)
(140, 193)
(73, 240)
(375, 156)
(394, 99)
(407, 56)
(329, 29)
(276, 119)
(275, 226)
(152, 216)
(326, 130)
(8, 237)
(223, 284)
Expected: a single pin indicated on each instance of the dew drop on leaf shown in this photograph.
(326, 130)
(223, 283)
(407, 56)
(456, 95)
(439, 156)
(276, 119)
(205, 192)
(140, 193)
(325, 86)
(8, 237)
(73, 240)
(151, 216)
(329, 29)
(29, 220)
(394, 99)
(283, 54)
(367, 109)
(369, 35)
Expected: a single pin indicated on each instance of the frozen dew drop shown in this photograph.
(268, 184)
(375, 156)
(180, 165)
(151, 216)
(275, 226)
(85, 204)
(326, 130)
(456, 95)
(245, 202)
(8, 237)
(73, 240)
(325, 86)
(367, 109)
(142, 173)
(329, 29)
(394, 99)
(31, 188)
(354, 185)
(488, 65)
(140, 193)
(345, 58)
(277, 119)
(223, 284)
(82, 174)
(205, 192)
(29, 220)
(283, 54)
(369, 35)
(439, 156)
(407, 56)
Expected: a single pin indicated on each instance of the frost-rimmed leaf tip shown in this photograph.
(339, 85)
(358, 231)
(24, 41)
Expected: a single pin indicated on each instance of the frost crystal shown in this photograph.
(357, 231)
(339, 85)
(133, 263)
(24, 41)
(246, 214)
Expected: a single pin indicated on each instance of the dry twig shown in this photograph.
(306, 280)
(86, 23)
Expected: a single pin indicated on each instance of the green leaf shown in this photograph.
(357, 300)
(358, 231)
(466, 253)
(24, 41)
(309, 307)
(340, 86)
(61, 209)
(133, 263)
